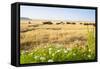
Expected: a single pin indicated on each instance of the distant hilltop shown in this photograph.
(25, 18)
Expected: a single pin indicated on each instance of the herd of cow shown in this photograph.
(73, 23)
(68, 23)
(59, 23)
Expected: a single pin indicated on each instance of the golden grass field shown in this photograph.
(38, 35)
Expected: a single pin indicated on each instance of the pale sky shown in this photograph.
(53, 13)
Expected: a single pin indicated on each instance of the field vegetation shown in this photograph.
(56, 42)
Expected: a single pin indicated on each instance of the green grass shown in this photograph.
(52, 53)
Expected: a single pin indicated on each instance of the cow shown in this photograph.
(60, 23)
(29, 22)
(73, 23)
(81, 23)
(48, 23)
(68, 23)
(93, 24)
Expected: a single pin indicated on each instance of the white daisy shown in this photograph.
(31, 53)
(50, 60)
(89, 56)
(65, 51)
(58, 51)
(74, 54)
(50, 52)
(69, 49)
(36, 57)
(50, 49)
(89, 50)
(42, 58)
(53, 54)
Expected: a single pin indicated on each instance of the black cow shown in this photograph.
(48, 23)
(73, 23)
(68, 23)
(89, 24)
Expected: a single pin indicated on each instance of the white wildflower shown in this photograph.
(23, 52)
(44, 54)
(31, 53)
(69, 49)
(50, 60)
(26, 51)
(53, 54)
(50, 52)
(89, 56)
(58, 51)
(65, 51)
(36, 57)
(89, 50)
(74, 54)
(50, 49)
(42, 58)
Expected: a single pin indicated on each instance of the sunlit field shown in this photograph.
(56, 42)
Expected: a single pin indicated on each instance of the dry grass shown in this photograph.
(33, 36)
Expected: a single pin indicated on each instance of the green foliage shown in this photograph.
(52, 53)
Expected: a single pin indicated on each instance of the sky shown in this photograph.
(53, 13)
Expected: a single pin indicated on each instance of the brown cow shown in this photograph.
(29, 22)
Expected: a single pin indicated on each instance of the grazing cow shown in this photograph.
(29, 22)
(89, 24)
(68, 23)
(81, 23)
(86, 24)
(73, 23)
(93, 24)
(60, 23)
(48, 23)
